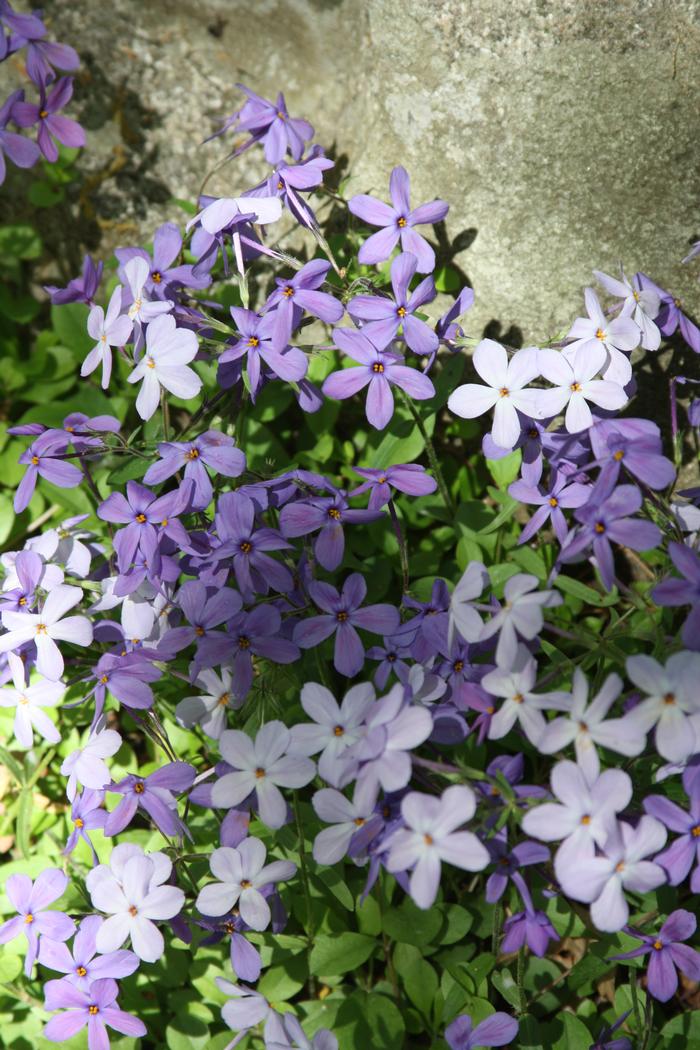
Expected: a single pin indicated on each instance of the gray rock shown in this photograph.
(564, 134)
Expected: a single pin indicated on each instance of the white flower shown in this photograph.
(142, 309)
(520, 703)
(28, 701)
(520, 614)
(209, 708)
(241, 877)
(86, 765)
(641, 304)
(169, 350)
(47, 627)
(131, 891)
(462, 617)
(575, 387)
(672, 702)
(597, 333)
(504, 391)
(108, 330)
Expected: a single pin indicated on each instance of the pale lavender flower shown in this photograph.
(21, 151)
(31, 900)
(167, 246)
(584, 726)
(558, 493)
(28, 701)
(300, 293)
(407, 477)
(584, 816)
(515, 685)
(86, 814)
(520, 615)
(574, 387)
(496, 1030)
(667, 953)
(346, 817)
(110, 329)
(47, 627)
(397, 221)
(143, 309)
(261, 766)
(42, 460)
(342, 615)
(52, 124)
(505, 391)
(379, 370)
(639, 302)
(132, 891)
(296, 1039)
(430, 837)
(96, 1008)
(246, 1009)
(672, 700)
(335, 727)
(169, 350)
(86, 765)
(393, 729)
(684, 852)
(64, 545)
(242, 874)
(600, 340)
(156, 795)
(83, 965)
(686, 591)
(463, 619)
(601, 880)
(208, 709)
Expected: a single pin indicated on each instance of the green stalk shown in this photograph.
(432, 456)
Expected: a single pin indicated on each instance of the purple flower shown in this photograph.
(508, 861)
(684, 851)
(671, 702)
(667, 954)
(335, 728)
(242, 874)
(505, 391)
(82, 966)
(255, 633)
(585, 726)
(156, 795)
(270, 124)
(446, 328)
(327, 514)
(529, 927)
(44, 55)
(605, 1040)
(21, 151)
(95, 1008)
(255, 570)
(287, 179)
(41, 462)
(430, 836)
(410, 478)
(132, 891)
(601, 880)
(169, 350)
(341, 616)
(212, 449)
(397, 221)
(86, 814)
(384, 316)
(520, 616)
(28, 701)
(670, 315)
(380, 369)
(606, 516)
(80, 289)
(47, 627)
(145, 517)
(110, 329)
(245, 959)
(558, 493)
(296, 294)
(204, 610)
(127, 678)
(30, 900)
(496, 1030)
(162, 275)
(394, 728)
(683, 592)
(258, 343)
(634, 445)
(262, 766)
(51, 124)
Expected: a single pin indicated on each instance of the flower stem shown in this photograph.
(403, 552)
(432, 456)
(304, 872)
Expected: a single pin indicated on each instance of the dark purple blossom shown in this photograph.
(155, 794)
(671, 316)
(529, 927)
(162, 275)
(270, 124)
(410, 478)
(327, 515)
(256, 572)
(20, 150)
(259, 344)
(41, 461)
(204, 611)
(508, 861)
(632, 444)
(384, 317)
(248, 634)
(668, 954)
(126, 676)
(558, 493)
(398, 222)
(341, 616)
(83, 965)
(146, 517)
(80, 289)
(300, 293)
(684, 852)
(496, 1030)
(52, 125)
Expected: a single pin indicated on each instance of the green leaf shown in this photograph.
(504, 982)
(70, 325)
(418, 976)
(682, 1032)
(575, 1035)
(505, 470)
(412, 925)
(339, 953)
(20, 242)
(328, 878)
(44, 195)
(24, 821)
(511, 505)
(12, 764)
(578, 590)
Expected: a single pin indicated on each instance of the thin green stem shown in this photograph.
(432, 455)
(519, 978)
(304, 872)
(403, 551)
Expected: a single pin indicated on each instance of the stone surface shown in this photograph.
(564, 134)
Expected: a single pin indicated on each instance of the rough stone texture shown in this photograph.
(565, 134)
